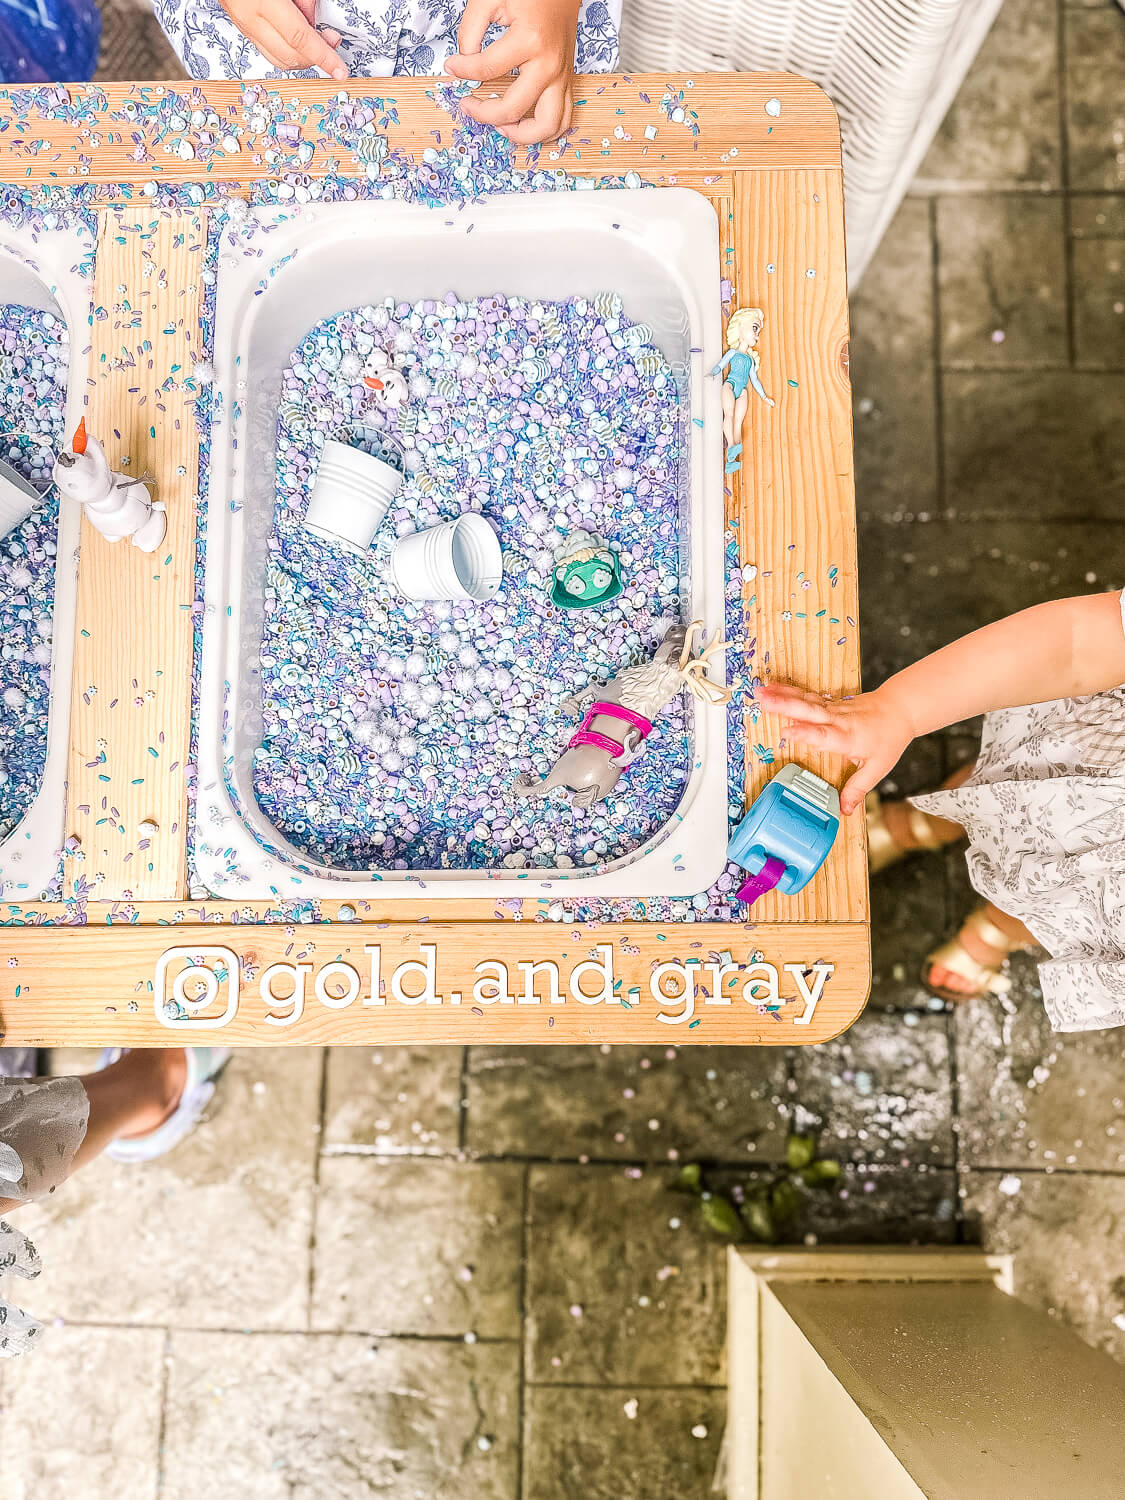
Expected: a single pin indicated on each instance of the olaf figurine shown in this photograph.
(118, 506)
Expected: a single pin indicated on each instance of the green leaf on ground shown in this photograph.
(758, 1217)
(800, 1150)
(721, 1216)
(690, 1178)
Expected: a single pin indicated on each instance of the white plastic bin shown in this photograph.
(659, 248)
(44, 269)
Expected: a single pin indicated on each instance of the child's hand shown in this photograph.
(282, 31)
(539, 42)
(870, 729)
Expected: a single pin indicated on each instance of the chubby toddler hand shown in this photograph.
(283, 31)
(871, 730)
(539, 44)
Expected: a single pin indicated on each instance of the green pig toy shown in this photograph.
(586, 572)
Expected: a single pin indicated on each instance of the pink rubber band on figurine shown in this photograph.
(584, 735)
(601, 741)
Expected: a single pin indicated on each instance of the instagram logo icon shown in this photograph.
(188, 987)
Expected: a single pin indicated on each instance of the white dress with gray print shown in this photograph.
(1045, 813)
(42, 1125)
(380, 37)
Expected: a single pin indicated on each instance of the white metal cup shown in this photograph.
(351, 495)
(18, 499)
(459, 559)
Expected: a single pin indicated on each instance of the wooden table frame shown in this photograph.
(765, 149)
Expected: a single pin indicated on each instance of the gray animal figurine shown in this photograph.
(618, 717)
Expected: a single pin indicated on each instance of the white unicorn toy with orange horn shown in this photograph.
(117, 506)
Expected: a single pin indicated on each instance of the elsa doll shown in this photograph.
(744, 329)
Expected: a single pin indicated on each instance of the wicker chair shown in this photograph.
(892, 68)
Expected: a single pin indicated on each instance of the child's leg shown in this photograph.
(132, 1096)
(969, 964)
(895, 829)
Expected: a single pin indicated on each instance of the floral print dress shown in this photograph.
(42, 1124)
(379, 37)
(1045, 813)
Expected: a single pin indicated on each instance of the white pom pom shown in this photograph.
(463, 680)
(482, 709)
(41, 654)
(586, 489)
(351, 367)
(391, 761)
(203, 371)
(483, 678)
(21, 576)
(404, 341)
(14, 698)
(381, 742)
(502, 679)
(415, 665)
(449, 642)
(539, 523)
(366, 729)
(468, 366)
(468, 656)
(408, 747)
(431, 693)
(420, 385)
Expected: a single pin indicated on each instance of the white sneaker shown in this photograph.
(204, 1064)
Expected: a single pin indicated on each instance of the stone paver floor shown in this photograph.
(426, 1273)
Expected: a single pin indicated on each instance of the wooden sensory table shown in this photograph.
(765, 149)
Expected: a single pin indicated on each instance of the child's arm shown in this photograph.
(1066, 649)
(283, 32)
(539, 41)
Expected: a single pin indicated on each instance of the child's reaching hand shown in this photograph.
(1070, 648)
(870, 730)
(283, 31)
(539, 42)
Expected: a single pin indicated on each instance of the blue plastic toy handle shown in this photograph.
(794, 819)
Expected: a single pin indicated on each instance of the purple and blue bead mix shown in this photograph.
(33, 369)
(392, 730)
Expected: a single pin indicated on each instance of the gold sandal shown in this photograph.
(954, 956)
(883, 849)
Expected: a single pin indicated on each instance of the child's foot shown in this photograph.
(895, 829)
(969, 965)
(178, 1084)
